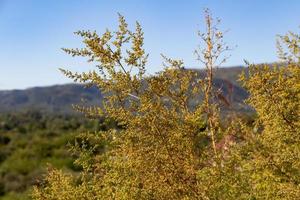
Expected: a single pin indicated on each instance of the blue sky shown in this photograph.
(33, 31)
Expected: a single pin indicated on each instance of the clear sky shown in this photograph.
(33, 31)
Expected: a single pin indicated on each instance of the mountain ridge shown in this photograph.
(60, 98)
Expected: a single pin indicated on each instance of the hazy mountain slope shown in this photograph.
(59, 98)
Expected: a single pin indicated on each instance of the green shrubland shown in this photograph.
(31, 142)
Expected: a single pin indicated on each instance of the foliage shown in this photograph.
(161, 147)
(31, 141)
(275, 95)
(265, 164)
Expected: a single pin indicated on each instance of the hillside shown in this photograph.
(59, 98)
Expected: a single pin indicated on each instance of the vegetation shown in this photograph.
(32, 141)
(161, 147)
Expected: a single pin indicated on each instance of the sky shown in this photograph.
(32, 32)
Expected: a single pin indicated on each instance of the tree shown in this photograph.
(164, 148)
(275, 94)
(265, 164)
(157, 151)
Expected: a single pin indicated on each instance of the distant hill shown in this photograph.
(59, 98)
(227, 80)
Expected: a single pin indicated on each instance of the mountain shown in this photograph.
(232, 94)
(59, 98)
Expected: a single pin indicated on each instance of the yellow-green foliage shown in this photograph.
(160, 150)
(275, 95)
(156, 154)
(266, 163)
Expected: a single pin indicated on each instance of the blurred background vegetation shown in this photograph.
(32, 141)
